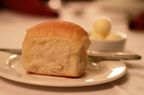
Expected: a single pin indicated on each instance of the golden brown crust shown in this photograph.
(67, 30)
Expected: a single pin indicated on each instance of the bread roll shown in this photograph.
(55, 48)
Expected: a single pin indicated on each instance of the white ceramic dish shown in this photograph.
(109, 45)
(108, 71)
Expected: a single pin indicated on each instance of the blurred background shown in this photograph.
(17, 15)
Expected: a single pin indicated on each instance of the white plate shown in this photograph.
(108, 71)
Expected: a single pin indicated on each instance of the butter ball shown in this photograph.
(102, 26)
(94, 35)
(113, 36)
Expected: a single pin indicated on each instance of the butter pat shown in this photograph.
(97, 36)
(102, 26)
(113, 36)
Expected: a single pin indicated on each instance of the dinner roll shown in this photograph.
(55, 48)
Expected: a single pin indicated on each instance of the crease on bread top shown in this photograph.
(55, 48)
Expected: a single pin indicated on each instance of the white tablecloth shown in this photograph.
(12, 31)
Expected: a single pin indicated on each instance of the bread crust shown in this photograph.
(63, 29)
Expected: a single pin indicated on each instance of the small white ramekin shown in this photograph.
(109, 45)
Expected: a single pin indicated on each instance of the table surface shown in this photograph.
(12, 31)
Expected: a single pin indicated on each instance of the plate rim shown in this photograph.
(106, 80)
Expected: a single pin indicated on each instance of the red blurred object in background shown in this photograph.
(137, 22)
(33, 7)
